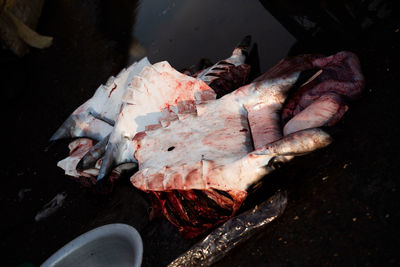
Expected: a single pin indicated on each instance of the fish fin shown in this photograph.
(93, 155)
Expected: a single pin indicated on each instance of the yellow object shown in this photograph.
(28, 35)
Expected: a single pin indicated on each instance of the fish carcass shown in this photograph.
(198, 155)
(199, 166)
(122, 108)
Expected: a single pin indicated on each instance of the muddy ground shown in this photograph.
(343, 204)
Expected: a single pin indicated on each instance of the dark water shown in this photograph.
(182, 32)
(343, 201)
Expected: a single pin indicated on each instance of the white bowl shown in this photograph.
(109, 245)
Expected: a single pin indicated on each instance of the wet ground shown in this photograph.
(343, 201)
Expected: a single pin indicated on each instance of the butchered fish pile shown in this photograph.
(200, 141)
